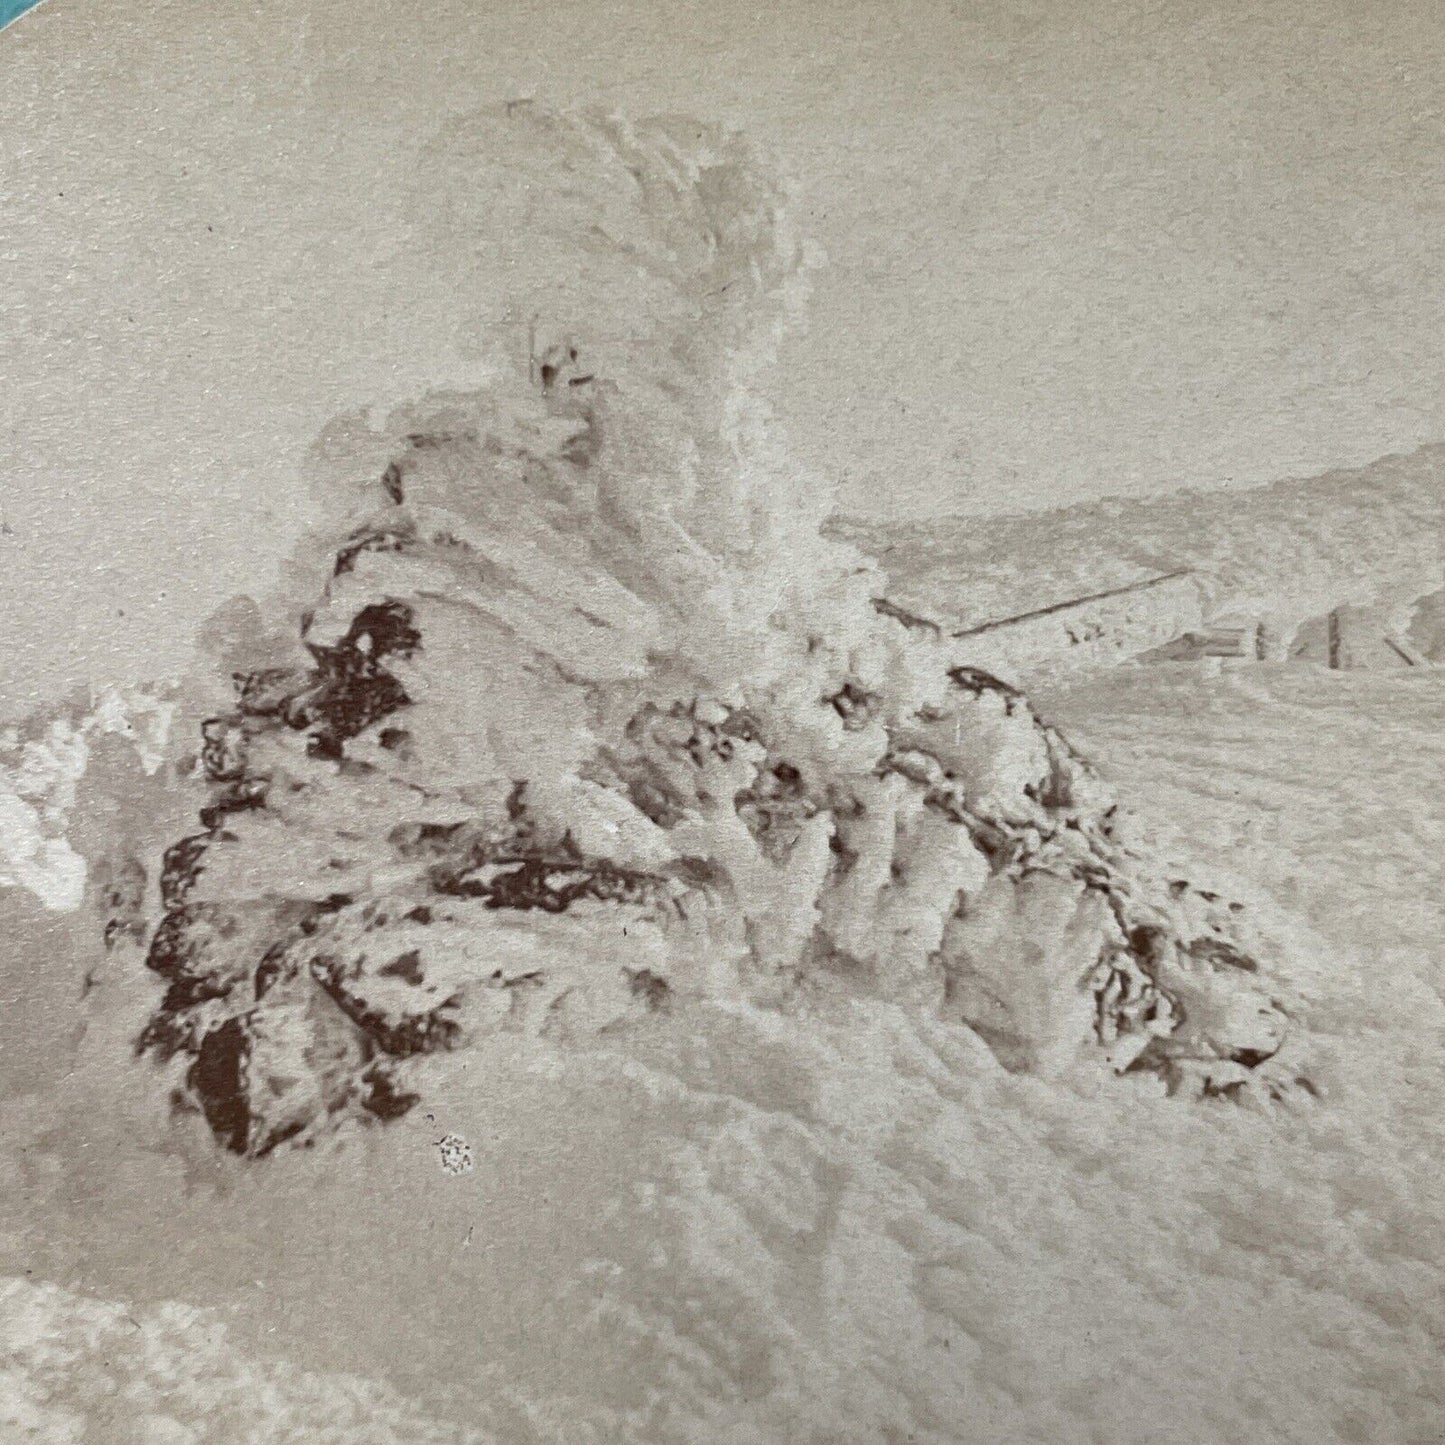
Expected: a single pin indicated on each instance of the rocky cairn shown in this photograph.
(530, 775)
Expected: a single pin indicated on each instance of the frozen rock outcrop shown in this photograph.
(590, 721)
(520, 798)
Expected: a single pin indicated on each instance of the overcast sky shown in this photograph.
(1076, 249)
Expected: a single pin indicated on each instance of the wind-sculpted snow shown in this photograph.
(590, 722)
(168, 1375)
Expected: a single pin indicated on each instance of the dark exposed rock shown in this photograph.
(1221, 953)
(776, 807)
(652, 988)
(854, 704)
(223, 749)
(180, 867)
(266, 693)
(550, 883)
(353, 688)
(265, 1076)
(219, 1078)
(410, 1033)
(391, 539)
(382, 1096)
(206, 953)
(241, 796)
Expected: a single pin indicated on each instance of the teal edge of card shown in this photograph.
(14, 9)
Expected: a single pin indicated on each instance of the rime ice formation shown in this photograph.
(38, 778)
(591, 722)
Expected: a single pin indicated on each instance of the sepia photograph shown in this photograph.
(722, 724)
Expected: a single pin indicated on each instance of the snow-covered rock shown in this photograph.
(533, 776)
